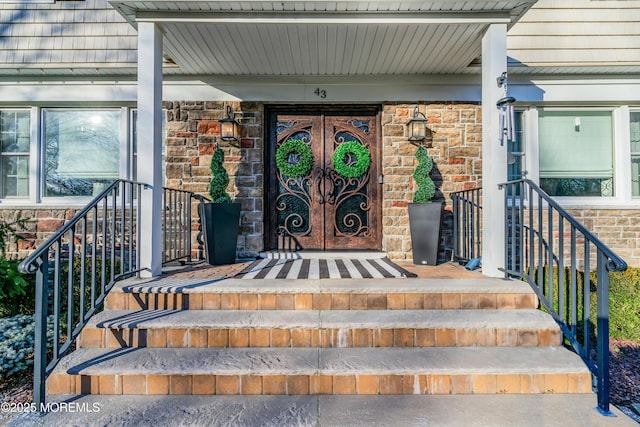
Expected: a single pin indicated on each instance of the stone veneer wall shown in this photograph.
(44, 222)
(193, 131)
(617, 228)
(454, 143)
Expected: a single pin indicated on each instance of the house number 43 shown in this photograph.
(321, 93)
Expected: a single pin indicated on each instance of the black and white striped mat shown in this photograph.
(323, 269)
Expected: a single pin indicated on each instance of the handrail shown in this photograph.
(177, 224)
(467, 224)
(552, 267)
(80, 263)
(29, 264)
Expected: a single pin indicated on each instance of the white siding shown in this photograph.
(78, 34)
(577, 33)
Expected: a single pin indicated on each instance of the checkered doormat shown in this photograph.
(323, 269)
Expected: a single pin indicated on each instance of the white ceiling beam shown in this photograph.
(325, 18)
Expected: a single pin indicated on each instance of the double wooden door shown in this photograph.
(318, 207)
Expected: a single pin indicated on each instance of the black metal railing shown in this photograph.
(178, 225)
(565, 264)
(467, 224)
(77, 266)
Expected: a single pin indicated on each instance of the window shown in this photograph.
(576, 153)
(15, 141)
(635, 153)
(516, 151)
(81, 154)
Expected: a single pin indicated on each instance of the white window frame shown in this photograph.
(36, 155)
(18, 199)
(621, 156)
(626, 125)
(123, 173)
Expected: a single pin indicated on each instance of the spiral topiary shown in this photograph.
(426, 187)
(220, 180)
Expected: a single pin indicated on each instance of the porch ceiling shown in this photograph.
(322, 38)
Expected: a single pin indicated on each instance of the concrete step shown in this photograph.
(566, 410)
(320, 294)
(301, 371)
(311, 328)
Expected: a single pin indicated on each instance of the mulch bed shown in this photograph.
(625, 372)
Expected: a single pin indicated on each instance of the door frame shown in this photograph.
(270, 237)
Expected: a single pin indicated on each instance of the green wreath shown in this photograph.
(304, 162)
(344, 152)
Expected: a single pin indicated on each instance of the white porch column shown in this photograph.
(494, 156)
(149, 132)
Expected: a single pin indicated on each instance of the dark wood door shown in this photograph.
(311, 205)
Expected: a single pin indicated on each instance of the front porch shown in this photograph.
(328, 55)
(450, 347)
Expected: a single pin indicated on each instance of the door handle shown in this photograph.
(318, 179)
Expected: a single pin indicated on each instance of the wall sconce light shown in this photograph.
(418, 126)
(229, 126)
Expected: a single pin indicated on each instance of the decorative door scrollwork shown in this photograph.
(331, 202)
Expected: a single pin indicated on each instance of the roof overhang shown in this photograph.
(322, 38)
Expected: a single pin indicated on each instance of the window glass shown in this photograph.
(14, 152)
(635, 153)
(516, 151)
(515, 157)
(81, 151)
(576, 153)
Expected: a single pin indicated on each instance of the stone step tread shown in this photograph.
(326, 361)
(443, 410)
(329, 319)
(174, 285)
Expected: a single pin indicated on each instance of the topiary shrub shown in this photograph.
(426, 187)
(219, 180)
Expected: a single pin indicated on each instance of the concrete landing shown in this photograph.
(310, 254)
(354, 411)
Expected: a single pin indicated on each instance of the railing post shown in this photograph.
(456, 210)
(40, 338)
(603, 334)
(188, 225)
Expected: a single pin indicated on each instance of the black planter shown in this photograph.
(424, 223)
(220, 226)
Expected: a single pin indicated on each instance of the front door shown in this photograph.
(323, 182)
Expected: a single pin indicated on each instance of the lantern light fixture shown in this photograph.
(418, 126)
(229, 126)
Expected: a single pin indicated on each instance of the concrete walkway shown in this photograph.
(352, 411)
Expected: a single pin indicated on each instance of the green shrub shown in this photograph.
(624, 301)
(219, 180)
(16, 343)
(624, 304)
(17, 291)
(426, 188)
